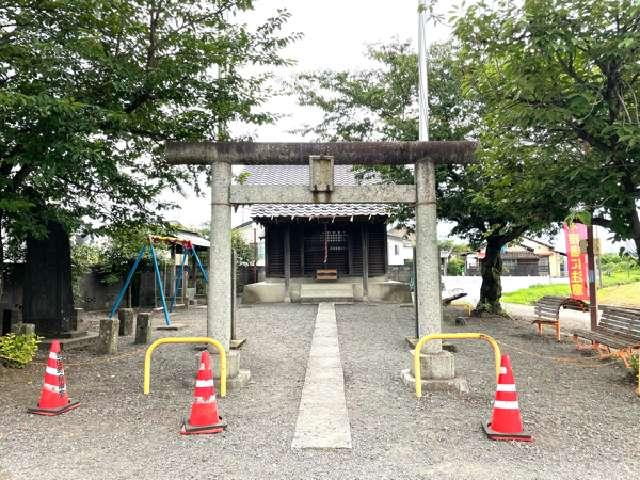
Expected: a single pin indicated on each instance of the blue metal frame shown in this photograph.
(204, 272)
(185, 254)
(165, 311)
(156, 268)
(122, 291)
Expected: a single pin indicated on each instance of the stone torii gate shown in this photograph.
(321, 157)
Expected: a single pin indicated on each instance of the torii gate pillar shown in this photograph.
(219, 289)
(427, 256)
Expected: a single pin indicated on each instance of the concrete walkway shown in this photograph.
(323, 420)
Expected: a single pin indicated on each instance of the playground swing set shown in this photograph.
(187, 249)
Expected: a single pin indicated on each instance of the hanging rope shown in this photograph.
(326, 244)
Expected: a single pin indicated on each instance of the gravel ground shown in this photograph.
(582, 412)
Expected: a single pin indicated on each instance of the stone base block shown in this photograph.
(233, 363)
(86, 340)
(126, 327)
(68, 334)
(236, 377)
(457, 384)
(77, 317)
(108, 338)
(435, 366)
(23, 328)
(125, 317)
(237, 343)
(143, 329)
(174, 327)
(236, 383)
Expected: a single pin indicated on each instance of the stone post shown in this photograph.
(427, 258)
(219, 291)
(76, 319)
(125, 321)
(185, 284)
(143, 329)
(108, 338)
(23, 328)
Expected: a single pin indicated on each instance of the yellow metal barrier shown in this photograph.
(451, 336)
(211, 341)
(467, 306)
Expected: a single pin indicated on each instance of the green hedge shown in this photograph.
(18, 350)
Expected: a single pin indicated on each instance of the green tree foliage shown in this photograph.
(89, 90)
(512, 189)
(453, 246)
(455, 266)
(564, 74)
(122, 248)
(613, 263)
(244, 251)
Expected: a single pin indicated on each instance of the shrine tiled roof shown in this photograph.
(298, 175)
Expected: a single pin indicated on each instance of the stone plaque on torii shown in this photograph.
(321, 158)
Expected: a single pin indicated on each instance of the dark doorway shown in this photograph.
(330, 243)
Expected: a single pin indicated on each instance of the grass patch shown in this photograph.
(621, 288)
(528, 296)
(621, 278)
(628, 294)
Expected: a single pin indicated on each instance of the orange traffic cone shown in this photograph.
(54, 399)
(506, 422)
(204, 410)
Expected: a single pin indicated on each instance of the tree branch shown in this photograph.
(601, 222)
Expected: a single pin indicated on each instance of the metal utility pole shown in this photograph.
(593, 301)
(429, 318)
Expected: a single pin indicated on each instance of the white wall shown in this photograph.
(404, 251)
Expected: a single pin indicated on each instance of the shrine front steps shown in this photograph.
(326, 292)
(70, 340)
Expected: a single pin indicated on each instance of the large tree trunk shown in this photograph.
(1, 259)
(48, 293)
(491, 269)
(631, 189)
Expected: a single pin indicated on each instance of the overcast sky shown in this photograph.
(336, 33)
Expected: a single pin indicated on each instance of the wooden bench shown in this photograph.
(618, 329)
(327, 274)
(547, 309)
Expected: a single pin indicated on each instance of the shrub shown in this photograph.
(633, 366)
(18, 350)
(455, 266)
